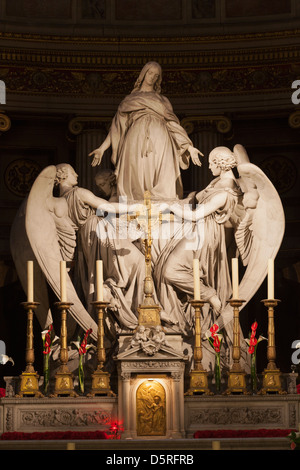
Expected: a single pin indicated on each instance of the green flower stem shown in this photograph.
(253, 372)
(218, 372)
(81, 373)
(46, 372)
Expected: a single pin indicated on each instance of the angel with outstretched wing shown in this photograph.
(69, 228)
(235, 216)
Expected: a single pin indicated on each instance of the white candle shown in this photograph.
(63, 280)
(99, 274)
(235, 278)
(29, 281)
(270, 279)
(196, 272)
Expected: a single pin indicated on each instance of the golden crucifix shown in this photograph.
(149, 310)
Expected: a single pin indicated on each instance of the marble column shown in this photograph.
(178, 430)
(125, 403)
(206, 133)
(90, 132)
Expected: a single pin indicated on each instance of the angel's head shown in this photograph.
(105, 180)
(221, 159)
(65, 174)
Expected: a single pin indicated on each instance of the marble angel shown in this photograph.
(235, 217)
(72, 227)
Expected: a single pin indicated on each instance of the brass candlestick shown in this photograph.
(272, 375)
(29, 378)
(100, 378)
(198, 376)
(64, 378)
(236, 375)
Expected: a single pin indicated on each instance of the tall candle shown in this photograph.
(63, 281)
(29, 281)
(196, 272)
(270, 279)
(235, 278)
(99, 274)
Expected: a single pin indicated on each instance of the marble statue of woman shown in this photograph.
(149, 146)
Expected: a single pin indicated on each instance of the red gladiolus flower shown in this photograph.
(214, 329)
(47, 348)
(82, 347)
(253, 341)
(217, 344)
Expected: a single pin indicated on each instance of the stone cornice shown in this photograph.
(205, 39)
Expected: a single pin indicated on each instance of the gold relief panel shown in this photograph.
(151, 409)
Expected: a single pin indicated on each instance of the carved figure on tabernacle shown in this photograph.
(149, 146)
(238, 217)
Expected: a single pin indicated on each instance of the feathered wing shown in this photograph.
(259, 233)
(22, 252)
(53, 239)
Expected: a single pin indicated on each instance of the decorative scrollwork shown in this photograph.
(5, 123)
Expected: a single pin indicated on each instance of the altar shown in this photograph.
(144, 333)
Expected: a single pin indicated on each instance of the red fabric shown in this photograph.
(228, 433)
(52, 435)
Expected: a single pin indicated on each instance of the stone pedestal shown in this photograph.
(165, 370)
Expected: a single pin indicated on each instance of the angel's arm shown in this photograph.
(98, 203)
(202, 210)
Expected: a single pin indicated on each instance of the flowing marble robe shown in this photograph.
(123, 263)
(174, 267)
(148, 147)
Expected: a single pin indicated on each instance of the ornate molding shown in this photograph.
(294, 119)
(234, 415)
(78, 124)
(223, 124)
(5, 123)
(47, 38)
(63, 417)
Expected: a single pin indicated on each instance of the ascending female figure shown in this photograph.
(148, 144)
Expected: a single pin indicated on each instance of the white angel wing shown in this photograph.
(260, 233)
(21, 252)
(52, 239)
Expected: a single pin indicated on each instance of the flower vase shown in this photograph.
(218, 372)
(253, 373)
